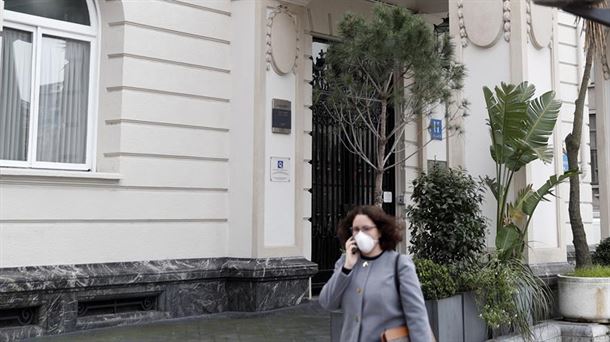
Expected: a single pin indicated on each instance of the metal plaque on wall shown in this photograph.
(280, 169)
(281, 116)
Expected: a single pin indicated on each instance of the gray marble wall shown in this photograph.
(181, 287)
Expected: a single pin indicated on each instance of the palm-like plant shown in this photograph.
(520, 129)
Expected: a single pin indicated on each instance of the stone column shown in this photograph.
(602, 98)
(247, 139)
(508, 41)
(285, 152)
(269, 63)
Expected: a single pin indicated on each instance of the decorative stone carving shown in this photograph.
(481, 22)
(460, 14)
(539, 24)
(282, 41)
(506, 19)
(528, 18)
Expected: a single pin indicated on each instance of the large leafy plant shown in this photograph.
(520, 128)
(446, 222)
(511, 296)
(376, 85)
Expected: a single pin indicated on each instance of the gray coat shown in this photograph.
(369, 300)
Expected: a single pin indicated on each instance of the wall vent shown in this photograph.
(109, 306)
(17, 317)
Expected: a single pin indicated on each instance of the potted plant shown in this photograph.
(443, 305)
(520, 127)
(583, 295)
(448, 228)
(587, 285)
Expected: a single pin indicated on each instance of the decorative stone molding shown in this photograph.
(460, 14)
(282, 41)
(539, 24)
(506, 19)
(480, 22)
(528, 18)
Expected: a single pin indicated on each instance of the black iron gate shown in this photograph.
(340, 181)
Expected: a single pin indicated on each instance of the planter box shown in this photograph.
(446, 319)
(584, 299)
(475, 329)
(453, 319)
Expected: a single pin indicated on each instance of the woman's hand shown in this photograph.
(351, 253)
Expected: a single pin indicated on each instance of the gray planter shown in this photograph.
(446, 319)
(475, 329)
(453, 319)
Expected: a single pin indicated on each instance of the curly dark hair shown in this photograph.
(388, 226)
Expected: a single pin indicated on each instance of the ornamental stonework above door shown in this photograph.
(282, 41)
(483, 23)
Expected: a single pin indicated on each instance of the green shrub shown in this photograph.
(509, 295)
(436, 282)
(595, 271)
(465, 278)
(446, 222)
(602, 253)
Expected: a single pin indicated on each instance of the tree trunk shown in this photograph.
(381, 142)
(583, 258)
(378, 188)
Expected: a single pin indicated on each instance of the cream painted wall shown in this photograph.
(542, 231)
(184, 142)
(488, 73)
(164, 127)
(279, 196)
(245, 54)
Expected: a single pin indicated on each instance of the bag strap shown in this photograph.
(397, 280)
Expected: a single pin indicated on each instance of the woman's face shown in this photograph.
(362, 223)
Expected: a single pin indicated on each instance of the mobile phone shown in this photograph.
(354, 249)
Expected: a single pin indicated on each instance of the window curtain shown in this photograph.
(15, 75)
(64, 89)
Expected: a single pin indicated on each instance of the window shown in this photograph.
(47, 80)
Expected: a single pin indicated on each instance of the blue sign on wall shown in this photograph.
(436, 129)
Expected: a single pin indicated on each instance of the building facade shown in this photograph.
(161, 151)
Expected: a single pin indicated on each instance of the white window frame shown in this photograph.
(39, 26)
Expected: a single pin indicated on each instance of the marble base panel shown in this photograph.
(180, 288)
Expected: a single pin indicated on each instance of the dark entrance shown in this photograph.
(340, 181)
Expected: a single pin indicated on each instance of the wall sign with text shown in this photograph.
(280, 169)
(436, 129)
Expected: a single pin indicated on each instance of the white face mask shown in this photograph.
(365, 242)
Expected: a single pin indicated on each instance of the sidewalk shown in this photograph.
(304, 322)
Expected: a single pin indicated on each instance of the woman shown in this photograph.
(364, 284)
